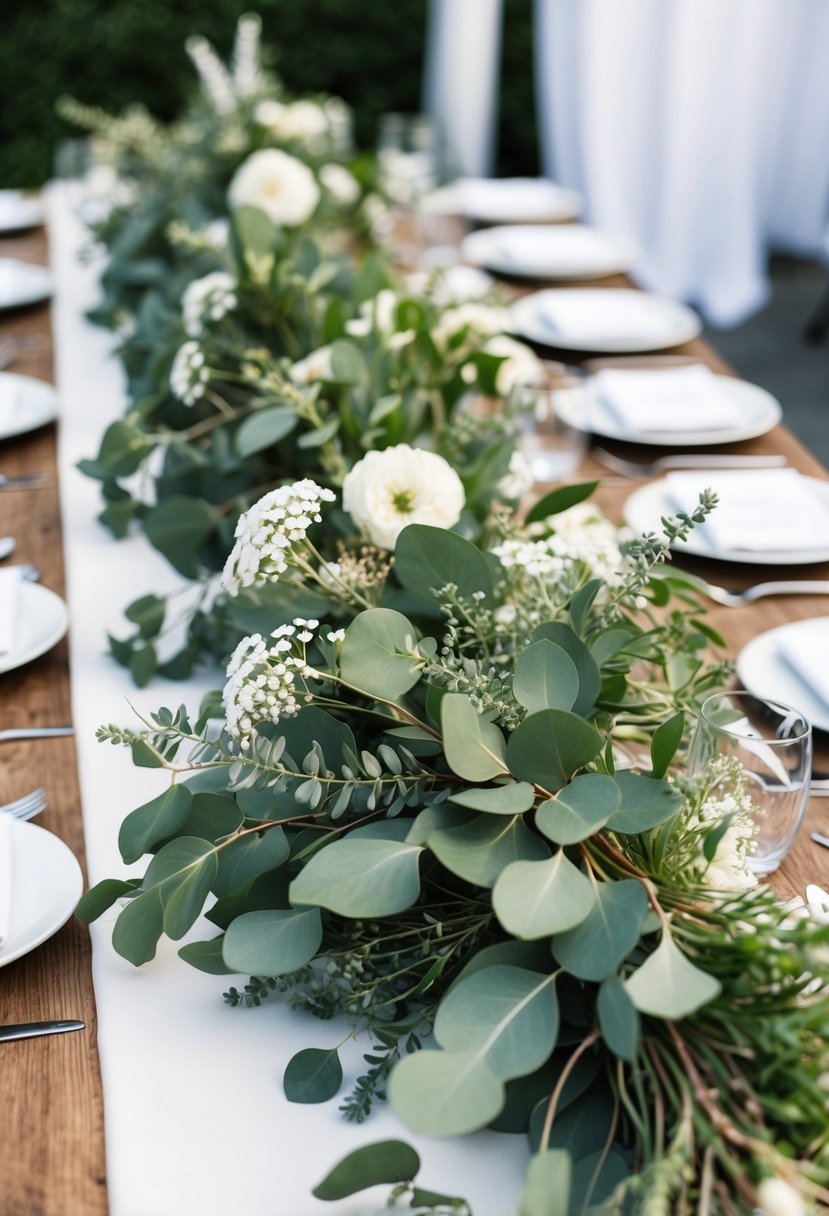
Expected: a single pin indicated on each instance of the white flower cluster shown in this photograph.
(473, 319)
(401, 485)
(340, 184)
(581, 534)
(207, 299)
(729, 869)
(189, 373)
(278, 184)
(269, 533)
(316, 366)
(302, 120)
(214, 76)
(521, 365)
(380, 315)
(261, 678)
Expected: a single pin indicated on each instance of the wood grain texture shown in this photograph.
(52, 1140)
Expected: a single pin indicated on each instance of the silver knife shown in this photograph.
(23, 480)
(36, 732)
(29, 1030)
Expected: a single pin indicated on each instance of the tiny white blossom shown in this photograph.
(278, 184)
(262, 682)
(316, 366)
(779, 1198)
(340, 184)
(519, 478)
(189, 374)
(269, 533)
(402, 485)
(207, 299)
(478, 320)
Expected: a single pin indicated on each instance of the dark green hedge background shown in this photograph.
(113, 52)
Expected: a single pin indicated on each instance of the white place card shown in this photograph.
(768, 510)
(681, 399)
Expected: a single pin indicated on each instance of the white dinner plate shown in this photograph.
(25, 404)
(760, 412)
(46, 886)
(645, 507)
(624, 321)
(19, 211)
(42, 620)
(507, 200)
(22, 283)
(762, 669)
(552, 251)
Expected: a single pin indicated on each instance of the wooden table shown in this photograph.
(52, 1144)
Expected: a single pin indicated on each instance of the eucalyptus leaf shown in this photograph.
(548, 747)
(183, 872)
(473, 746)
(154, 821)
(547, 1185)
(479, 850)
(590, 680)
(545, 677)
(98, 899)
(559, 500)
(374, 654)
(512, 798)
(249, 856)
(445, 1093)
(534, 899)
(646, 803)
(596, 946)
(430, 558)
(508, 1015)
(580, 809)
(274, 941)
(666, 739)
(387, 1161)
(360, 877)
(313, 1076)
(618, 1019)
(668, 985)
(138, 928)
(206, 956)
(264, 428)
(179, 527)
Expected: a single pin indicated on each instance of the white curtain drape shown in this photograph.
(699, 128)
(460, 80)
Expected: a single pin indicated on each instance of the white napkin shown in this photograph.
(514, 197)
(619, 315)
(763, 510)
(675, 399)
(808, 663)
(9, 596)
(9, 401)
(5, 875)
(554, 250)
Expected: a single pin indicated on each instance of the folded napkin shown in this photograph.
(761, 510)
(679, 399)
(5, 875)
(515, 198)
(590, 317)
(9, 401)
(807, 661)
(554, 250)
(9, 596)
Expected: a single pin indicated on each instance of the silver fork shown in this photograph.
(737, 599)
(680, 460)
(26, 807)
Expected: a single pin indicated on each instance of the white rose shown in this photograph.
(521, 365)
(402, 485)
(340, 184)
(298, 120)
(779, 1198)
(276, 183)
(478, 319)
(316, 366)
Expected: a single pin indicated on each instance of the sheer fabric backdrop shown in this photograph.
(699, 128)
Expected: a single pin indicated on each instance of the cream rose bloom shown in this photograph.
(402, 485)
(276, 183)
(521, 365)
(296, 120)
(779, 1198)
(340, 184)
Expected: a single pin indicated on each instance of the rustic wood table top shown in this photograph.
(52, 1137)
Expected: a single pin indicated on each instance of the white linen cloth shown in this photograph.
(676, 399)
(764, 511)
(195, 1118)
(9, 599)
(460, 84)
(697, 128)
(799, 651)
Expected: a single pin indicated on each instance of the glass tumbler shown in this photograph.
(549, 420)
(773, 743)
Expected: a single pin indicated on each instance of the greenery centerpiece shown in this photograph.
(454, 815)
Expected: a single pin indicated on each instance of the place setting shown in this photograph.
(20, 210)
(33, 618)
(506, 200)
(23, 284)
(546, 252)
(603, 320)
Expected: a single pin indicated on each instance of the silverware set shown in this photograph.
(682, 460)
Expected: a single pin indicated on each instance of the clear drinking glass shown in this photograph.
(773, 743)
(408, 155)
(550, 420)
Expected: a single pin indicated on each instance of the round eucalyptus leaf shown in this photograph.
(511, 799)
(360, 877)
(548, 747)
(646, 802)
(428, 558)
(387, 1161)
(313, 1076)
(274, 941)
(580, 809)
(547, 1185)
(445, 1093)
(474, 748)
(618, 1019)
(668, 985)
(545, 677)
(596, 947)
(478, 851)
(154, 821)
(534, 899)
(374, 654)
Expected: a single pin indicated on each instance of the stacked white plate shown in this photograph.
(551, 251)
(607, 320)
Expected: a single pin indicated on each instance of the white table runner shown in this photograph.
(196, 1122)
